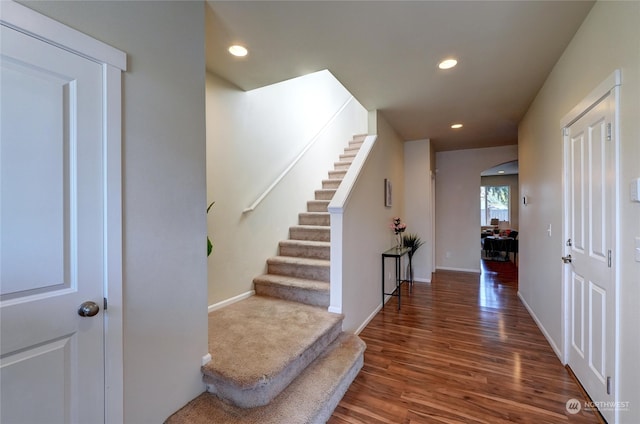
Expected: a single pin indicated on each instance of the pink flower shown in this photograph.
(398, 226)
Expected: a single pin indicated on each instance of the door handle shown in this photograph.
(88, 309)
(566, 259)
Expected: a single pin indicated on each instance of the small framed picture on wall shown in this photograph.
(388, 199)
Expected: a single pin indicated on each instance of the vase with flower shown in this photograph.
(398, 228)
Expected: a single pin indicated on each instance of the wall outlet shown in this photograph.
(448, 255)
(637, 256)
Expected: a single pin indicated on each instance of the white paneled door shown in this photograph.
(590, 179)
(52, 224)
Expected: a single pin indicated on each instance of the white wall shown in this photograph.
(366, 232)
(251, 138)
(419, 208)
(608, 39)
(165, 289)
(458, 204)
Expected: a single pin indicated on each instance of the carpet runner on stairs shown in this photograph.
(309, 399)
(301, 270)
(279, 356)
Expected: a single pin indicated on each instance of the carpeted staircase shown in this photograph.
(279, 356)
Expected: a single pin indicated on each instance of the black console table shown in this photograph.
(397, 254)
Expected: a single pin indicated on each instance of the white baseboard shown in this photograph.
(230, 301)
(557, 351)
(422, 280)
(368, 320)
(444, 268)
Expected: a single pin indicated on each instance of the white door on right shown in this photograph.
(590, 179)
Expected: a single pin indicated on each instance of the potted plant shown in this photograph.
(413, 242)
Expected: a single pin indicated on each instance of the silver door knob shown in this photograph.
(566, 259)
(88, 309)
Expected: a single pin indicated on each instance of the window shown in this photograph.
(494, 204)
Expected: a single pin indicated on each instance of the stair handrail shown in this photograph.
(343, 193)
(297, 158)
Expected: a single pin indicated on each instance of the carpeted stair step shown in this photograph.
(310, 292)
(348, 157)
(261, 344)
(341, 166)
(305, 249)
(353, 148)
(325, 194)
(358, 138)
(314, 218)
(337, 174)
(331, 183)
(312, 269)
(317, 205)
(310, 399)
(310, 232)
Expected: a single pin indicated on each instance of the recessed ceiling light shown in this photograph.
(456, 126)
(238, 50)
(447, 64)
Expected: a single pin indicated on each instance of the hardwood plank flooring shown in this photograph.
(463, 349)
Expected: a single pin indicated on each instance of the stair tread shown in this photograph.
(310, 398)
(298, 261)
(305, 243)
(290, 281)
(311, 227)
(275, 357)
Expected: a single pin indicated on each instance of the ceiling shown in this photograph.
(507, 168)
(386, 54)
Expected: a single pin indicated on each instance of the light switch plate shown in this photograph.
(634, 190)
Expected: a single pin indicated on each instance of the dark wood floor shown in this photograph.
(463, 349)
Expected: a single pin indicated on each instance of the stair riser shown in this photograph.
(302, 251)
(353, 148)
(325, 194)
(317, 206)
(315, 234)
(296, 294)
(312, 219)
(311, 272)
(348, 158)
(341, 166)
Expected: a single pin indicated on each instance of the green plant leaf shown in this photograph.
(209, 244)
(412, 241)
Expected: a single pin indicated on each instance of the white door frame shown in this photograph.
(114, 62)
(611, 85)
